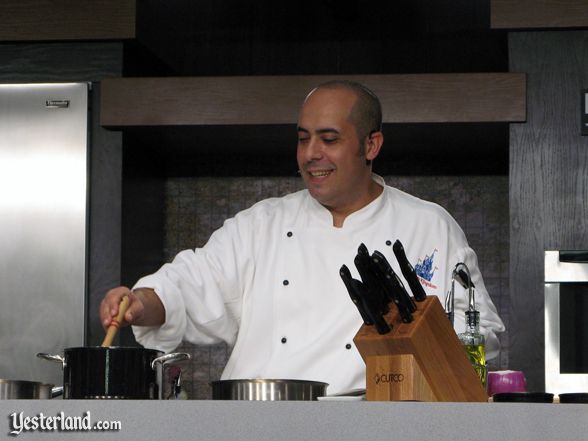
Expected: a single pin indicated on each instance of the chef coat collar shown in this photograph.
(321, 216)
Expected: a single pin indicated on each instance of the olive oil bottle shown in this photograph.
(474, 344)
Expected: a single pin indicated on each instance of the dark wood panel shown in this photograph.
(548, 181)
(538, 13)
(58, 62)
(38, 20)
(421, 98)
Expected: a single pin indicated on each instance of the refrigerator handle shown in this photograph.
(576, 256)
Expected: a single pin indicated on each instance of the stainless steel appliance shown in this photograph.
(566, 324)
(43, 211)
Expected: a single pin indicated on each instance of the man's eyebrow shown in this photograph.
(327, 130)
(319, 131)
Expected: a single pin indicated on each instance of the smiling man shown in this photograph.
(337, 140)
(267, 282)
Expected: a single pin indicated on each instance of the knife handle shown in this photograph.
(408, 300)
(375, 293)
(353, 293)
(362, 250)
(381, 326)
(394, 287)
(408, 272)
(408, 305)
(362, 305)
(357, 292)
(376, 317)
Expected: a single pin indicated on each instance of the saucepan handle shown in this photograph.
(56, 391)
(166, 361)
(168, 358)
(52, 357)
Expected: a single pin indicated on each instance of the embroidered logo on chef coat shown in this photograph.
(425, 269)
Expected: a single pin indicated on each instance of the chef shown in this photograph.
(267, 282)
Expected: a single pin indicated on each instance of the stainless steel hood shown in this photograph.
(43, 227)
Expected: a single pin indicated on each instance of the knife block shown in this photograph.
(418, 361)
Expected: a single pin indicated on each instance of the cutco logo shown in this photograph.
(389, 377)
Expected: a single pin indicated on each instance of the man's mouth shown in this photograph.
(319, 173)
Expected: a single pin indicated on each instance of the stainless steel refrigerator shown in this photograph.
(43, 225)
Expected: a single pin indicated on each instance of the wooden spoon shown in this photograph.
(115, 323)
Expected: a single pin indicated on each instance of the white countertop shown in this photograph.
(331, 420)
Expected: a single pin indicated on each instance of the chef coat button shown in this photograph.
(289, 234)
(348, 346)
(388, 242)
(284, 340)
(286, 283)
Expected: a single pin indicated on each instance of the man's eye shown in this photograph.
(329, 140)
(301, 140)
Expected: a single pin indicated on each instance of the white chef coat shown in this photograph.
(268, 283)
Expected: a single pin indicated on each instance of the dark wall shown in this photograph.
(104, 268)
(266, 37)
(143, 210)
(91, 62)
(196, 206)
(548, 180)
(181, 37)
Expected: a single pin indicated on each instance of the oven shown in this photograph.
(566, 324)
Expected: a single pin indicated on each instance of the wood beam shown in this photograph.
(505, 14)
(46, 20)
(418, 98)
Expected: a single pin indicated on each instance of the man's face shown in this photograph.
(331, 158)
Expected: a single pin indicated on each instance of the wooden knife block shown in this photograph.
(418, 361)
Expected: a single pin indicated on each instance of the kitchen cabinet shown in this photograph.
(246, 100)
(40, 20)
(538, 14)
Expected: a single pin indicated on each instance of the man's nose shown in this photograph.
(314, 150)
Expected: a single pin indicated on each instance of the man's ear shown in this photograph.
(373, 144)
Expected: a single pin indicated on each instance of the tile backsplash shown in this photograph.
(195, 207)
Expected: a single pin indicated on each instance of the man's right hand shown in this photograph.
(145, 308)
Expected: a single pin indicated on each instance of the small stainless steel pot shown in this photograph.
(113, 372)
(268, 390)
(19, 389)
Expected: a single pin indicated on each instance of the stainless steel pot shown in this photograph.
(20, 389)
(113, 372)
(268, 390)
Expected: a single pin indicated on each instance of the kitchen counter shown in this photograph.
(234, 420)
